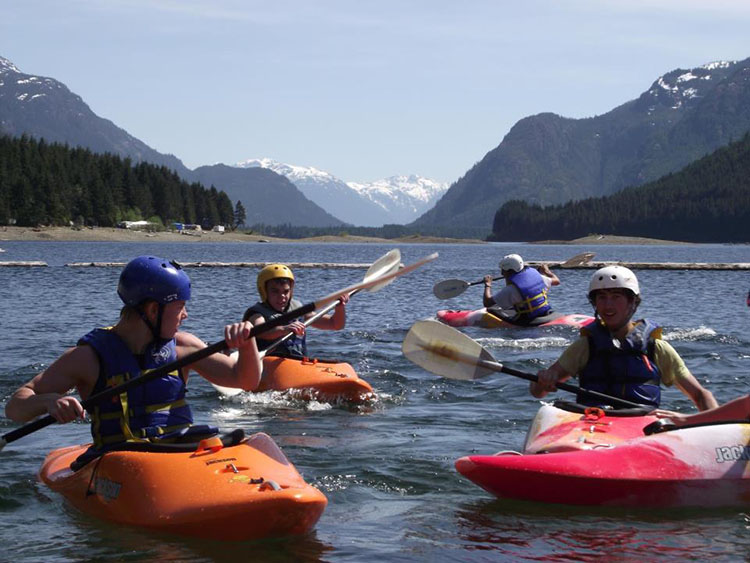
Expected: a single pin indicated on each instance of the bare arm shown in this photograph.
(46, 393)
(337, 320)
(296, 327)
(242, 372)
(672, 366)
(487, 299)
(736, 409)
(545, 271)
(701, 397)
(548, 380)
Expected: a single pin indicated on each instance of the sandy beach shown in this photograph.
(93, 234)
(102, 234)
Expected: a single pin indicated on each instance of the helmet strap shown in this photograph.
(154, 328)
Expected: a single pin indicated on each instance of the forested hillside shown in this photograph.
(53, 184)
(708, 201)
(547, 159)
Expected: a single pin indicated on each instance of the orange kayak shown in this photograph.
(308, 379)
(241, 491)
(315, 379)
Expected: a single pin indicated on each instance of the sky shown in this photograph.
(361, 89)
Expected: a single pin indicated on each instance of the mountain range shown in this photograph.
(547, 159)
(394, 200)
(45, 108)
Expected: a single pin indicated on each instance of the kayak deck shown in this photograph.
(246, 491)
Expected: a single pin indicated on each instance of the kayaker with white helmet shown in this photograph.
(275, 284)
(524, 296)
(146, 336)
(618, 356)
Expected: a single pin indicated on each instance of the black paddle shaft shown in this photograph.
(614, 401)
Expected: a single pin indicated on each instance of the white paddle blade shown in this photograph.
(444, 351)
(375, 282)
(386, 264)
(449, 288)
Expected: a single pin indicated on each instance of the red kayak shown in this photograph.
(605, 459)
(492, 318)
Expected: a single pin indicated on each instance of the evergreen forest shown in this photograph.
(707, 201)
(53, 184)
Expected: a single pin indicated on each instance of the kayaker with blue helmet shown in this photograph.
(618, 356)
(155, 293)
(275, 284)
(524, 296)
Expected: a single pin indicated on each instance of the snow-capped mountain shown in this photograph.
(394, 200)
(404, 197)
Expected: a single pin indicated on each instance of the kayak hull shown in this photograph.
(484, 318)
(314, 379)
(213, 494)
(309, 379)
(612, 463)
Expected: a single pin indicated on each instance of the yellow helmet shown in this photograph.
(272, 272)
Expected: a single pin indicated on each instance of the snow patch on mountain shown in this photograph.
(680, 85)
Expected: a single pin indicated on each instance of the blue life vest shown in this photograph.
(151, 411)
(292, 346)
(627, 371)
(533, 290)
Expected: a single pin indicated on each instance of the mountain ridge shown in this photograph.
(45, 108)
(548, 159)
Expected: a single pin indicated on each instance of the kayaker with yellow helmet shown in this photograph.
(524, 296)
(146, 336)
(618, 356)
(275, 284)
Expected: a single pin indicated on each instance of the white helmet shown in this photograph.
(613, 277)
(511, 262)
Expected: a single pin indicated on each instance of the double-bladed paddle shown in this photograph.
(447, 352)
(220, 346)
(386, 264)
(455, 287)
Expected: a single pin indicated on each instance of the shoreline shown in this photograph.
(110, 234)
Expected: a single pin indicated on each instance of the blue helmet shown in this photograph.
(149, 277)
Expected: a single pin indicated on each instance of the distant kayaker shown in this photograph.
(146, 336)
(618, 356)
(524, 296)
(275, 284)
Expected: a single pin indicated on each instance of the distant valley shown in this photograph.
(394, 200)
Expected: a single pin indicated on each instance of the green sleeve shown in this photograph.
(575, 357)
(669, 362)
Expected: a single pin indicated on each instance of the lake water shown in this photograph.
(386, 468)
